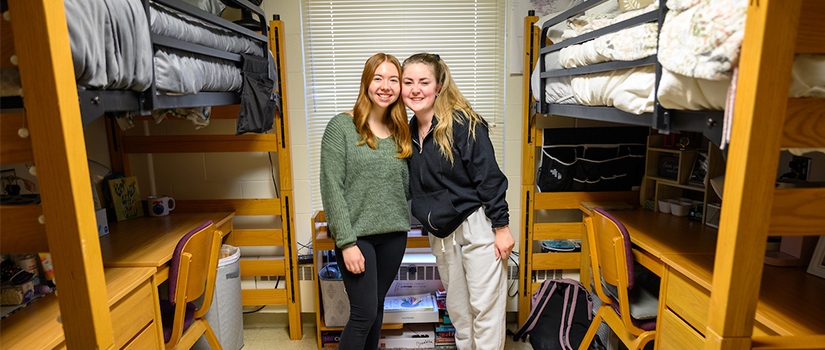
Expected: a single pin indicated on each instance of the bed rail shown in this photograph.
(665, 120)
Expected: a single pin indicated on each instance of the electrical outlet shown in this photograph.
(801, 166)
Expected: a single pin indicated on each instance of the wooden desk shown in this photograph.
(791, 301)
(656, 234)
(38, 326)
(150, 241)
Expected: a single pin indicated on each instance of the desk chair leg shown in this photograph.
(591, 331)
(210, 337)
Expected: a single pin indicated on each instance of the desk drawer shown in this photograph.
(148, 339)
(131, 314)
(687, 299)
(675, 334)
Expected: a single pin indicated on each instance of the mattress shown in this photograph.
(703, 88)
(111, 48)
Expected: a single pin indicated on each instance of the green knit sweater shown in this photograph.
(364, 190)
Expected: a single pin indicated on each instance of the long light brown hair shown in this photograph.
(447, 103)
(395, 119)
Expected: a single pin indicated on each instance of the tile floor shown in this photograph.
(268, 332)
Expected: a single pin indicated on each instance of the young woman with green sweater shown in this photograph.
(365, 188)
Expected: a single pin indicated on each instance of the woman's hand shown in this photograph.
(504, 243)
(354, 260)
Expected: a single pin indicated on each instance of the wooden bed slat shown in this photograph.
(804, 123)
(263, 267)
(250, 297)
(571, 200)
(556, 261)
(558, 230)
(21, 232)
(201, 143)
(241, 207)
(798, 212)
(811, 37)
(15, 150)
(261, 237)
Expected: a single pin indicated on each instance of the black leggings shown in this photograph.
(366, 291)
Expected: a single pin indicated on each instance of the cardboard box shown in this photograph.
(102, 222)
(413, 336)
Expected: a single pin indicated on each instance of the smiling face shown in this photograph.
(385, 86)
(420, 89)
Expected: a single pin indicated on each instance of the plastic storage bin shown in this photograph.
(225, 315)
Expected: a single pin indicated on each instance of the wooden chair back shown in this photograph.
(192, 275)
(611, 259)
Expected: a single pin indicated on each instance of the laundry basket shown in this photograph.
(225, 315)
(334, 296)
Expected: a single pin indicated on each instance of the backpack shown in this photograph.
(560, 313)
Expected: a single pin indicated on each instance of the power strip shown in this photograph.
(305, 259)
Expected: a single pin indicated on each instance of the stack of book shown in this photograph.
(445, 335)
(329, 339)
(444, 331)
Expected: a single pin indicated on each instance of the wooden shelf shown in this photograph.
(415, 239)
(323, 326)
(671, 183)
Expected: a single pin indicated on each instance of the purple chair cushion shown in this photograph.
(627, 245)
(167, 311)
(173, 274)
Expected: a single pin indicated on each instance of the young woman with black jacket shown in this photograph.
(458, 194)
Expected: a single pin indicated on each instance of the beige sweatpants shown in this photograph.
(476, 283)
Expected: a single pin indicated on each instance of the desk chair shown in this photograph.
(192, 275)
(630, 312)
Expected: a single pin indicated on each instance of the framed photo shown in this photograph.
(668, 167)
(817, 264)
(126, 198)
(700, 170)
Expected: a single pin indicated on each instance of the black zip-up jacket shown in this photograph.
(445, 194)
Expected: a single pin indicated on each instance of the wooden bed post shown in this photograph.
(276, 44)
(53, 114)
(528, 162)
(761, 96)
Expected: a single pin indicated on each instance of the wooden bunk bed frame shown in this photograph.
(766, 120)
(67, 227)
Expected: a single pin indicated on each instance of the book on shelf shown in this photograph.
(445, 328)
(418, 302)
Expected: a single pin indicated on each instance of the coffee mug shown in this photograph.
(160, 205)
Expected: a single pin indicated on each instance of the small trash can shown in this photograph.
(334, 296)
(225, 315)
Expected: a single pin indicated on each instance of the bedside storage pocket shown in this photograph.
(675, 334)
(131, 314)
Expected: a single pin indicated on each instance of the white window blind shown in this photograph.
(339, 36)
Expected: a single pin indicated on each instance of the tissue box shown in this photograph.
(102, 222)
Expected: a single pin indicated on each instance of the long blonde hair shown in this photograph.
(449, 103)
(396, 119)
